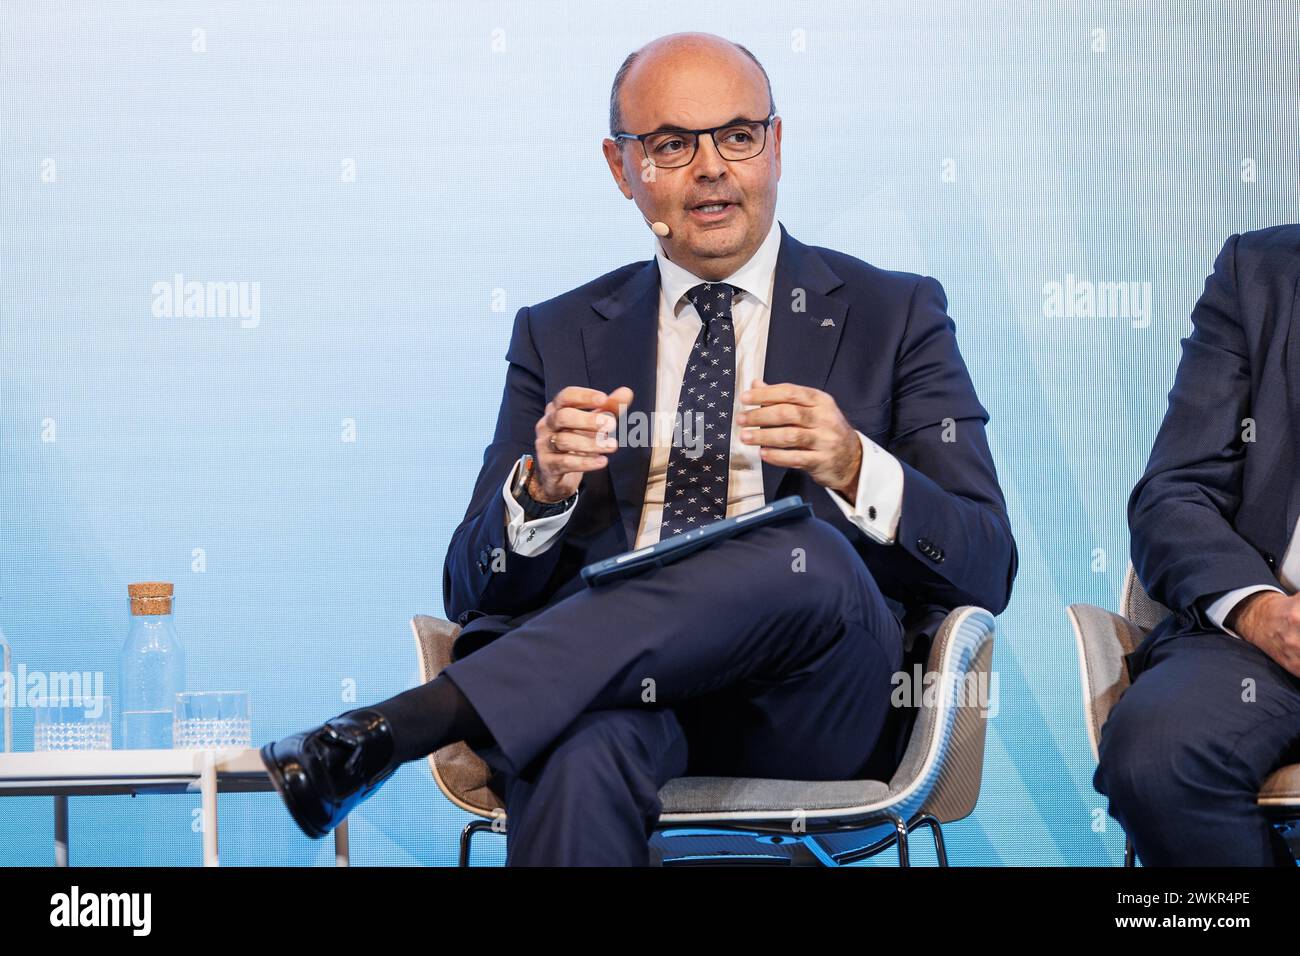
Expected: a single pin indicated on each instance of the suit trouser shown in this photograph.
(1184, 752)
(767, 655)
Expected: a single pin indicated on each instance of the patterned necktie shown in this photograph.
(695, 490)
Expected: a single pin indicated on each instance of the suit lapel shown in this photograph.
(624, 350)
(804, 330)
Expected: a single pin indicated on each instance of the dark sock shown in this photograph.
(428, 717)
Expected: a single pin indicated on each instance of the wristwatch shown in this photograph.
(532, 507)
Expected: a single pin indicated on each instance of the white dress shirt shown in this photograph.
(880, 481)
(1288, 575)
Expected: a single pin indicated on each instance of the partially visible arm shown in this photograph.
(953, 528)
(1184, 546)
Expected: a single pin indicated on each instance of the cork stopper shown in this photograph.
(150, 597)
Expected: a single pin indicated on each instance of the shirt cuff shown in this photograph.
(879, 502)
(1219, 610)
(529, 538)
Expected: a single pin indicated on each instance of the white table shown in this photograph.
(63, 774)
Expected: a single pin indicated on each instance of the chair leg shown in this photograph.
(900, 834)
(904, 857)
(846, 857)
(928, 820)
(466, 835)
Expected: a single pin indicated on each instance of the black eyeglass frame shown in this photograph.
(764, 125)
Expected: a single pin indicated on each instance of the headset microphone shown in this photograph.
(660, 229)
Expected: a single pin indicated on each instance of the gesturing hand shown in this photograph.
(802, 427)
(573, 437)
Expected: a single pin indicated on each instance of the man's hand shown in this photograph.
(1270, 621)
(802, 427)
(573, 437)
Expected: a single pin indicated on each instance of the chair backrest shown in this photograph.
(1138, 606)
(943, 764)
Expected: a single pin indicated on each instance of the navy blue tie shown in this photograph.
(695, 489)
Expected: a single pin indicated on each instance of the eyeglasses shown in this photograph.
(668, 149)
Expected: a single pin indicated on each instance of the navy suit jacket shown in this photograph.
(888, 356)
(1214, 510)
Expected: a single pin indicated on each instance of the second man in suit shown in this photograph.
(1214, 706)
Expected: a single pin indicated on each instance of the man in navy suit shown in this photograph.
(735, 367)
(1214, 706)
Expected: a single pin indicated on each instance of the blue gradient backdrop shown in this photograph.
(397, 179)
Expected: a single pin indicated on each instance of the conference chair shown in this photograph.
(747, 821)
(1103, 640)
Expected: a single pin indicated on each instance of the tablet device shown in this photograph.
(688, 542)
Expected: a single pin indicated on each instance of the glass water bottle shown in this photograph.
(152, 668)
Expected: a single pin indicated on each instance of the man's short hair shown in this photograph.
(616, 114)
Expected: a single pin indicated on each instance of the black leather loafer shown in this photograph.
(323, 773)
